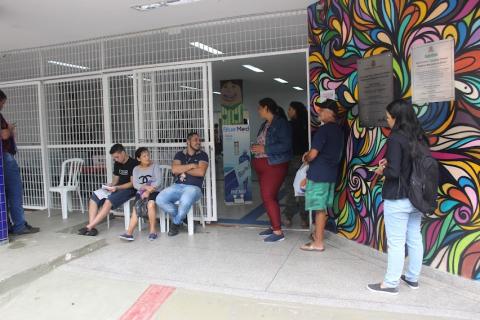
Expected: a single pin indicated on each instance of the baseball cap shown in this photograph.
(328, 104)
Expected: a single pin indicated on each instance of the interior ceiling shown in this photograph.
(290, 67)
(33, 23)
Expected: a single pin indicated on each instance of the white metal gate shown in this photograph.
(156, 108)
(24, 110)
(76, 129)
(171, 102)
(83, 117)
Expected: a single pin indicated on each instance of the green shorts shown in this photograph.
(319, 195)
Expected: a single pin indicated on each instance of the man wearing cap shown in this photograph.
(323, 159)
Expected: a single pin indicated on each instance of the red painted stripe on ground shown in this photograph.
(148, 303)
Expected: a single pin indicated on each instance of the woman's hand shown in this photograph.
(382, 164)
(303, 183)
(258, 148)
(304, 157)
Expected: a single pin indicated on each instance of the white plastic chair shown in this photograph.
(69, 181)
(126, 213)
(190, 222)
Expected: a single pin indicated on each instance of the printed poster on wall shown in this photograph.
(231, 101)
(433, 72)
(236, 164)
(375, 89)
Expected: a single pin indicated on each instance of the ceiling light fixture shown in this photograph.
(250, 67)
(64, 64)
(280, 80)
(204, 47)
(159, 4)
(144, 79)
(216, 92)
(189, 88)
(298, 88)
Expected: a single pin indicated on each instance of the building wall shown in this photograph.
(340, 33)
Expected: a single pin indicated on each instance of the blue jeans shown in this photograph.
(402, 224)
(186, 195)
(14, 192)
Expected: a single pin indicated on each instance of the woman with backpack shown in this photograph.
(402, 219)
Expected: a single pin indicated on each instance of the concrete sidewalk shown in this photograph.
(231, 266)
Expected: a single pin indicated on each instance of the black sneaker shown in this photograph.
(174, 230)
(29, 227)
(411, 284)
(377, 287)
(27, 231)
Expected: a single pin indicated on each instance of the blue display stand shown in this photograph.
(3, 205)
(236, 164)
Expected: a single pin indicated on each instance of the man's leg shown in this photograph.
(303, 212)
(318, 197)
(166, 199)
(114, 200)
(291, 205)
(321, 217)
(102, 213)
(14, 192)
(133, 222)
(92, 208)
(189, 196)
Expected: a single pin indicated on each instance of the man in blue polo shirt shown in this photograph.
(189, 167)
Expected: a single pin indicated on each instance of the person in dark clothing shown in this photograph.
(324, 159)
(12, 177)
(297, 112)
(120, 190)
(402, 219)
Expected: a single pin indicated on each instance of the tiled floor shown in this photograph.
(219, 270)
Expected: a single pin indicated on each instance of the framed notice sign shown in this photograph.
(375, 89)
(433, 72)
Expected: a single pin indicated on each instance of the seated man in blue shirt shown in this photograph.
(189, 167)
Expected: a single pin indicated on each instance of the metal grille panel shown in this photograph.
(31, 169)
(122, 109)
(172, 105)
(233, 37)
(75, 112)
(22, 109)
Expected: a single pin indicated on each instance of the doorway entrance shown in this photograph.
(255, 85)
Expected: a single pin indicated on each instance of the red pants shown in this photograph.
(271, 178)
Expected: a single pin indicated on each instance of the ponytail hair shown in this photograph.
(273, 107)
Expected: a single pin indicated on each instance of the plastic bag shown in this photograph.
(299, 177)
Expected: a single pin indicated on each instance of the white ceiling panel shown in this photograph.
(33, 23)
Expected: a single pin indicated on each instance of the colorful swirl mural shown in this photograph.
(343, 31)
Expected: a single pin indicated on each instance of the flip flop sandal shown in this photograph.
(309, 247)
(82, 231)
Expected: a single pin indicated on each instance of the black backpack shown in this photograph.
(423, 185)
